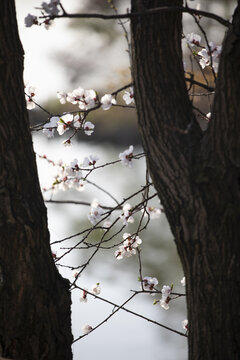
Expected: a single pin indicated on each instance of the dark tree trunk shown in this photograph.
(196, 174)
(35, 301)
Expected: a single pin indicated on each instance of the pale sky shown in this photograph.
(40, 46)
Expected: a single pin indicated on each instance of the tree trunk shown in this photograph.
(35, 300)
(196, 174)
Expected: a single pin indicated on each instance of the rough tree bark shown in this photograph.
(196, 174)
(35, 301)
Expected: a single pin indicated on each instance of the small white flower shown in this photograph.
(185, 324)
(83, 297)
(90, 161)
(88, 128)
(119, 254)
(63, 124)
(126, 216)
(62, 96)
(51, 8)
(95, 213)
(96, 289)
(107, 101)
(61, 127)
(30, 96)
(153, 212)
(149, 283)
(75, 96)
(86, 329)
(30, 20)
(128, 96)
(193, 39)
(77, 121)
(183, 281)
(49, 128)
(126, 157)
(209, 115)
(164, 302)
(206, 54)
(71, 170)
(131, 242)
(88, 100)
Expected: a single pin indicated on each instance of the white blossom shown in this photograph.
(90, 161)
(208, 115)
(149, 283)
(153, 212)
(30, 20)
(51, 8)
(128, 248)
(164, 302)
(126, 216)
(193, 39)
(63, 124)
(212, 52)
(75, 96)
(86, 329)
(185, 324)
(107, 101)
(96, 212)
(183, 281)
(50, 127)
(126, 156)
(83, 297)
(96, 289)
(62, 96)
(88, 128)
(30, 95)
(86, 99)
(77, 121)
(128, 96)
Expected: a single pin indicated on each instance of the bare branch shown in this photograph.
(137, 14)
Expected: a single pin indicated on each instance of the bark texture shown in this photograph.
(196, 174)
(35, 300)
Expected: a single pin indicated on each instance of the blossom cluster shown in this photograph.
(166, 291)
(86, 99)
(209, 55)
(126, 215)
(95, 290)
(96, 212)
(65, 122)
(71, 176)
(30, 96)
(49, 9)
(128, 248)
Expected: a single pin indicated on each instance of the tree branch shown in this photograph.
(137, 14)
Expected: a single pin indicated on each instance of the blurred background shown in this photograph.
(93, 54)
